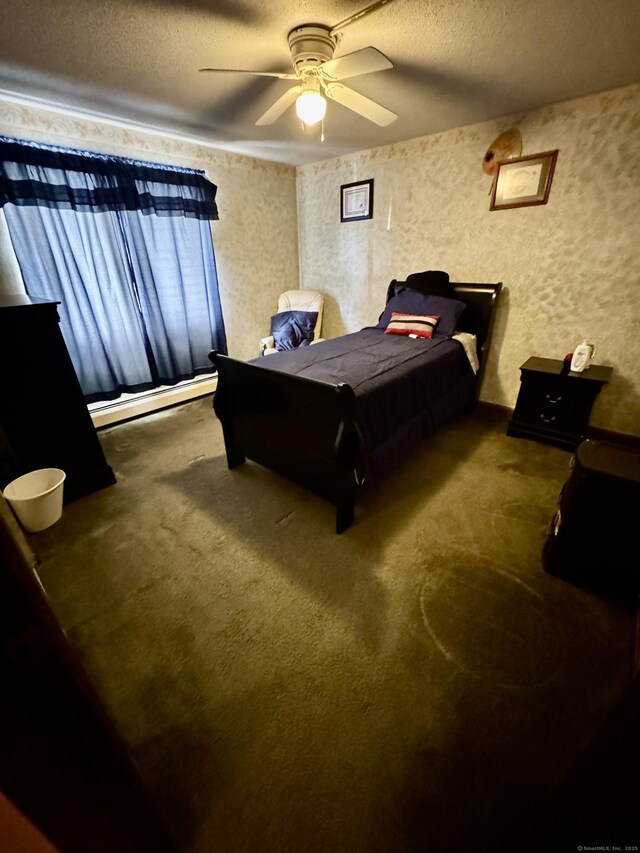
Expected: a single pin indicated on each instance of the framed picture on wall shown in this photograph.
(523, 181)
(356, 201)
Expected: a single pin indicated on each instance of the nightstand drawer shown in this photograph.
(553, 405)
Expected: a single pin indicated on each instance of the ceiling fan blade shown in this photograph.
(276, 110)
(282, 76)
(360, 104)
(351, 64)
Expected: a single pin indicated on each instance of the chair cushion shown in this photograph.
(291, 329)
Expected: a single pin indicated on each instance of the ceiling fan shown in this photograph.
(318, 75)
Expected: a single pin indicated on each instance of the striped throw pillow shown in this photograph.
(421, 325)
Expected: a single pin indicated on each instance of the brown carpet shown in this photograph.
(416, 684)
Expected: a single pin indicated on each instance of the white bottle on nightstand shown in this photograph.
(582, 355)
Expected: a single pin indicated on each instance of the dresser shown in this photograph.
(44, 420)
(553, 403)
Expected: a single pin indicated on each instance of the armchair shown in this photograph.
(295, 301)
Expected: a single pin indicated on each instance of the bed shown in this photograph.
(338, 416)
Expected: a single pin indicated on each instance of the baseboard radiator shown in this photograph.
(128, 406)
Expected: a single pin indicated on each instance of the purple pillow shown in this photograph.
(412, 302)
(292, 329)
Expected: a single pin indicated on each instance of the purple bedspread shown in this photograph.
(405, 388)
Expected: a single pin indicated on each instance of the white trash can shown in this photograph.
(36, 498)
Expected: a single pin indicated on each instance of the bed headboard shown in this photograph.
(478, 317)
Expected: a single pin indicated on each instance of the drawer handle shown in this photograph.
(547, 420)
(553, 399)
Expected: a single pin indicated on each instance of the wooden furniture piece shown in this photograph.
(44, 421)
(592, 537)
(554, 404)
(63, 764)
(307, 429)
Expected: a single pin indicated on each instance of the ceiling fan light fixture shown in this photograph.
(317, 75)
(311, 107)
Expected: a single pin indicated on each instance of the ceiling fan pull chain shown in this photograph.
(360, 14)
(322, 130)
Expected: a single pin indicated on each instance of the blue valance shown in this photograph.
(32, 174)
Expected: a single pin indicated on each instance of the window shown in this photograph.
(125, 247)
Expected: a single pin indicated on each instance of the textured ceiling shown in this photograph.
(456, 62)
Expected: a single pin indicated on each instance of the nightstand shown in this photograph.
(554, 404)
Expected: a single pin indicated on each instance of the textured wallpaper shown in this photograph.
(570, 268)
(255, 239)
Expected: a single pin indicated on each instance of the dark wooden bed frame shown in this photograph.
(305, 429)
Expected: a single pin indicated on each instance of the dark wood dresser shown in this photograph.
(44, 421)
(554, 404)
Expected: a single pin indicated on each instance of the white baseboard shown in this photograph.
(133, 405)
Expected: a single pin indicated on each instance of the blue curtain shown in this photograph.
(125, 247)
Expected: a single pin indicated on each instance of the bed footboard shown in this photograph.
(301, 428)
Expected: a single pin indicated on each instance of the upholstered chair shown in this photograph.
(294, 324)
